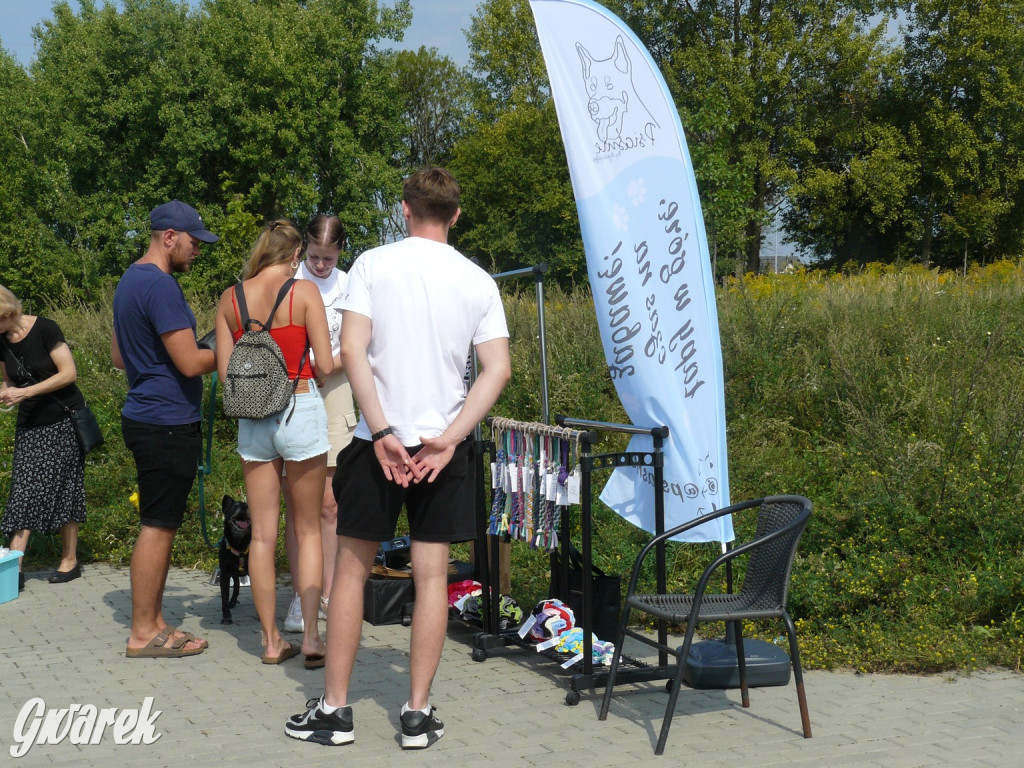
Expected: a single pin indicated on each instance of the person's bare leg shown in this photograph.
(19, 540)
(430, 619)
(151, 559)
(291, 542)
(306, 482)
(69, 547)
(263, 489)
(345, 615)
(329, 531)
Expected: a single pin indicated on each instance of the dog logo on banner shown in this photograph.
(621, 117)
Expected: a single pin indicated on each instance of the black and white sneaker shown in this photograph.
(420, 730)
(330, 729)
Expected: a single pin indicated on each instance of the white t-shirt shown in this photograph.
(332, 291)
(427, 304)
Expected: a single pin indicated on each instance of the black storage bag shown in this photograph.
(387, 601)
(606, 594)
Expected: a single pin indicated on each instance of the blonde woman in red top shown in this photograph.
(295, 438)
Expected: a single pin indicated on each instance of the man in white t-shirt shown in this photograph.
(413, 309)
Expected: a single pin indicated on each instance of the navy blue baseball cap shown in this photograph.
(180, 217)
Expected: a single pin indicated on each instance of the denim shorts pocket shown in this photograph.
(304, 435)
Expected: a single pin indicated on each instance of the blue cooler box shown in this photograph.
(9, 575)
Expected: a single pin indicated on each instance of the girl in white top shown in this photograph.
(325, 237)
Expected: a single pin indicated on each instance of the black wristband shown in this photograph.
(380, 435)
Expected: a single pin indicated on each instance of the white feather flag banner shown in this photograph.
(647, 257)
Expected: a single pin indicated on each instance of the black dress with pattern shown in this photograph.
(48, 467)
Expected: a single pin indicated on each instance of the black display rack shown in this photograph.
(587, 433)
(485, 552)
(486, 547)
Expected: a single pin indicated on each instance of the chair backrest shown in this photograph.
(766, 581)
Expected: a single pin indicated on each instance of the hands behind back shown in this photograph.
(426, 464)
(394, 460)
(432, 457)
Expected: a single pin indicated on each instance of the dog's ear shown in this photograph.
(226, 502)
(585, 59)
(620, 57)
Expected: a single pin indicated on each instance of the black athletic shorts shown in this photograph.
(369, 503)
(166, 462)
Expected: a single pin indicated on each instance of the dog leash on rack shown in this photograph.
(205, 458)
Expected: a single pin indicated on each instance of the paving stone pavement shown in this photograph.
(65, 644)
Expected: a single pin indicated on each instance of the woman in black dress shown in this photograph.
(48, 472)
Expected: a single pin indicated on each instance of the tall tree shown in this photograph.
(849, 203)
(519, 208)
(33, 261)
(436, 102)
(307, 117)
(963, 92)
(276, 107)
(930, 167)
(505, 57)
(435, 99)
(751, 78)
(100, 80)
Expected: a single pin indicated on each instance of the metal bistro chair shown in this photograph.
(780, 523)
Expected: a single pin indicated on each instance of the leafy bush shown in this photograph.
(891, 397)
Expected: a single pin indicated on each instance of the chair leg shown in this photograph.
(741, 663)
(798, 675)
(673, 695)
(620, 640)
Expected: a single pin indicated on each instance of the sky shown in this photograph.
(435, 23)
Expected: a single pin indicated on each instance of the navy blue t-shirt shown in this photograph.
(148, 302)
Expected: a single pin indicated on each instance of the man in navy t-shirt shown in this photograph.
(155, 343)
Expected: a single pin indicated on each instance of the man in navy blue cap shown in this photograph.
(154, 341)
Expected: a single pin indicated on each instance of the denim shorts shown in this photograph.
(300, 437)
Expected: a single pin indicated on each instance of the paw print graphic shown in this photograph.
(637, 191)
(619, 217)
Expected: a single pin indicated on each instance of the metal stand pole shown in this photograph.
(483, 557)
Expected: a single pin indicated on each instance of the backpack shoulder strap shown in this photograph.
(243, 310)
(238, 316)
(280, 297)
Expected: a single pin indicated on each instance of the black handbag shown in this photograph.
(90, 435)
(87, 428)
(605, 594)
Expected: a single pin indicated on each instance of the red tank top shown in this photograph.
(290, 338)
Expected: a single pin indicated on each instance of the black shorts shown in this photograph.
(369, 503)
(166, 462)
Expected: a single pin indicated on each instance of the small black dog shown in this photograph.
(234, 553)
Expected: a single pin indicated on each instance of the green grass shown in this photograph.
(892, 398)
